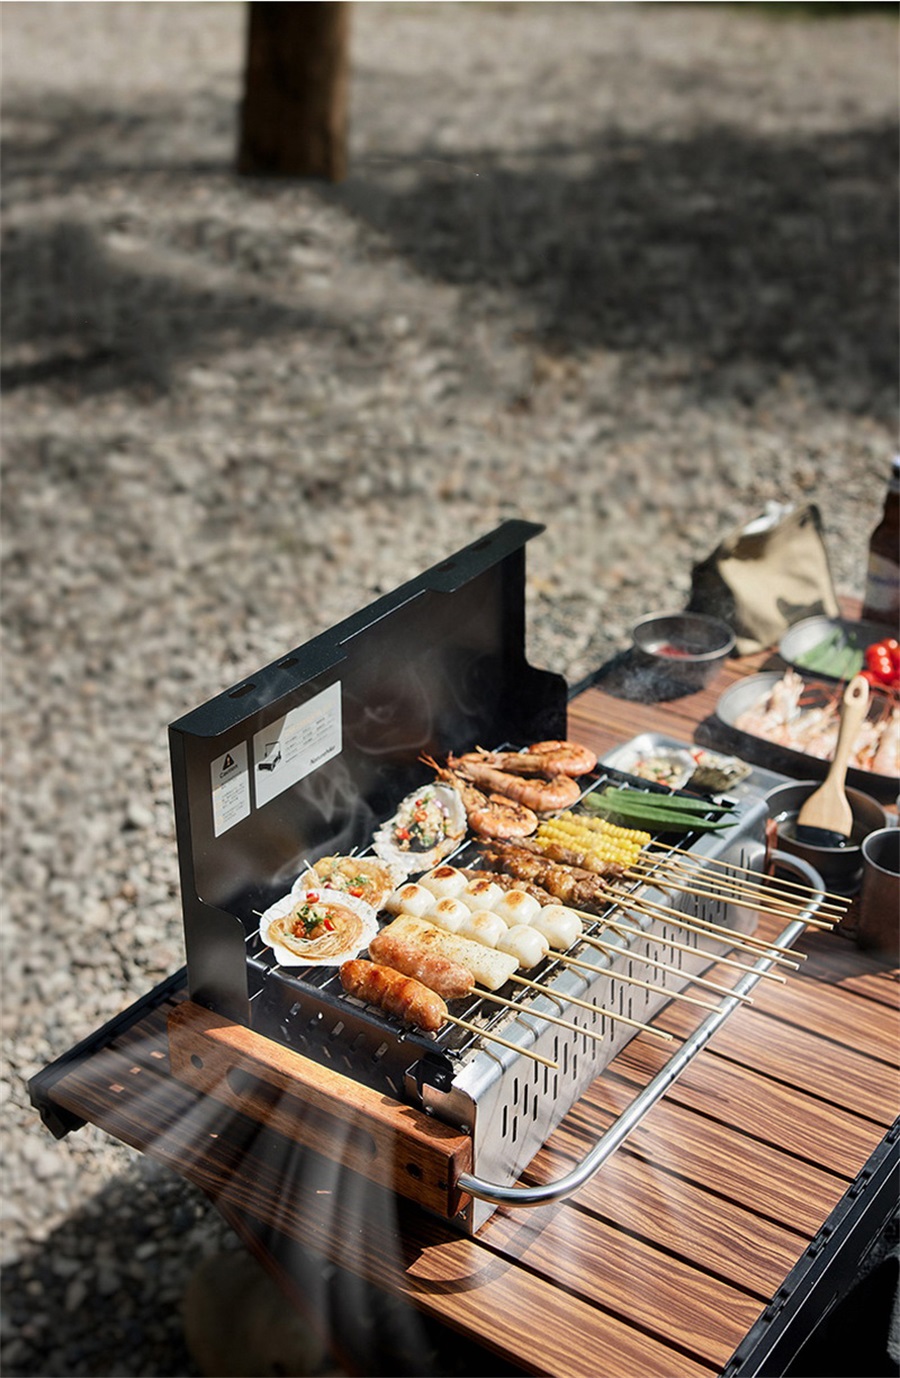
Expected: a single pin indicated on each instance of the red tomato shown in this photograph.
(880, 662)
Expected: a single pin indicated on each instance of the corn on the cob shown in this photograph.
(593, 837)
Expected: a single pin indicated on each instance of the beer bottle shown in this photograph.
(882, 600)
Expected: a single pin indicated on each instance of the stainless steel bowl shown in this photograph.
(687, 648)
(839, 867)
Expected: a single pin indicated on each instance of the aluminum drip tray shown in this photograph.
(499, 1093)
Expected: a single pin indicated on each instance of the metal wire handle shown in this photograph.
(500, 1194)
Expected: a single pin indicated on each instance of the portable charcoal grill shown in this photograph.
(305, 759)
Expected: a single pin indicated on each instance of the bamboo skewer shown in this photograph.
(611, 950)
(716, 931)
(630, 930)
(538, 1014)
(780, 882)
(633, 981)
(699, 893)
(495, 1038)
(597, 1009)
(744, 895)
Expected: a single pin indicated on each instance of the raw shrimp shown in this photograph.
(490, 816)
(886, 760)
(542, 796)
(542, 758)
(805, 718)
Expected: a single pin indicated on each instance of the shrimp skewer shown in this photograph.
(541, 758)
(490, 816)
(542, 796)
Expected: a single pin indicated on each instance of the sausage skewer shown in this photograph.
(448, 978)
(421, 930)
(414, 1003)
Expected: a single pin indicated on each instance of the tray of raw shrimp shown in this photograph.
(789, 722)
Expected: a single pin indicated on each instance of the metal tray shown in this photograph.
(797, 764)
(803, 636)
(757, 783)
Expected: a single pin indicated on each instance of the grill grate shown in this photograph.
(308, 1009)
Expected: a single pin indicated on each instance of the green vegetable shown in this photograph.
(838, 655)
(660, 812)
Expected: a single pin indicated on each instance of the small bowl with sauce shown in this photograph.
(839, 867)
(688, 649)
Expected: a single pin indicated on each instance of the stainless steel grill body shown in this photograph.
(511, 1104)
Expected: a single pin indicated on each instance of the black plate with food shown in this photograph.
(830, 648)
(788, 722)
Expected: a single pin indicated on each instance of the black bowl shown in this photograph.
(839, 867)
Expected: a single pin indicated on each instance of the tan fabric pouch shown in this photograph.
(765, 576)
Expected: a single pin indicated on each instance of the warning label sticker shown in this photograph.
(293, 746)
(230, 778)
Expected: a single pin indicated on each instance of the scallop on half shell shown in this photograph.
(427, 826)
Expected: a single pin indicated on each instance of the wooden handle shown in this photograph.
(854, 707)
(396, 1145)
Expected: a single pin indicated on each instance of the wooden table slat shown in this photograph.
(352, 1224)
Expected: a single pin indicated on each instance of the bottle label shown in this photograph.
(883, 585)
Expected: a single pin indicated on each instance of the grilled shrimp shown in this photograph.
(542, 796)
(491, 815)
(541, 758)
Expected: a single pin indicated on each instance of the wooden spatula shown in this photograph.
(826, 819)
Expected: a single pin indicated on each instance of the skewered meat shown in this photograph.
(448, 979)
(570, 884)
(491, 968)
(508, 882)
(395, 993)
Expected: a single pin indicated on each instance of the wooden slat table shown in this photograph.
(665, 1261)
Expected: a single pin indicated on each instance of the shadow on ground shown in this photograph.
(729, 261)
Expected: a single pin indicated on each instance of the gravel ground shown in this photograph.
(628, 270)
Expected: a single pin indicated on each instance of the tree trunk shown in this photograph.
(294, 113)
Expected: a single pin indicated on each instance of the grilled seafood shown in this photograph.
(448, 979)
(489, 815)
(542, 758)
(541, 796)
(319, 927)
(395, 993)
(363, 877)
(427, 826)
